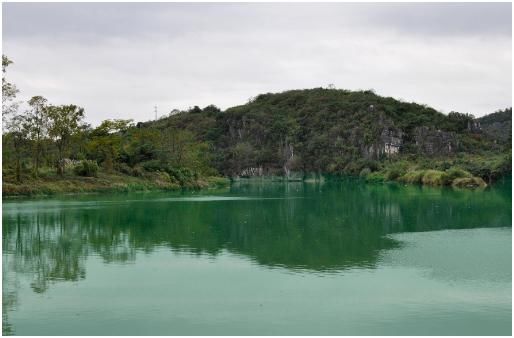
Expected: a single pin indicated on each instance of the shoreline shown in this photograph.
(105, 184)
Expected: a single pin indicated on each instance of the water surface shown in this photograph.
(342, 258)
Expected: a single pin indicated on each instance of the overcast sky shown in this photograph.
(119, 60)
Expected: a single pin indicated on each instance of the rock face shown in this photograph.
(430, 141)
(474, 126)
(252, 172)
(391, 140)
(389, 143)
(287, 152)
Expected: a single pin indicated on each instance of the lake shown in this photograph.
(334, 258)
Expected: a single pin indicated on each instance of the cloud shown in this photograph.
(118, 60)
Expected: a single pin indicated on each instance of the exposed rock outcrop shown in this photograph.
(388, 144)
(430, 141)
(252, 172)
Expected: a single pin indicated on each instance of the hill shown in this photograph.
(293, 135)
(331, 131)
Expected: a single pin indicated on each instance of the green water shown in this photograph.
(342, 258)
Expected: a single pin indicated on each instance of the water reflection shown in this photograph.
(321, 228)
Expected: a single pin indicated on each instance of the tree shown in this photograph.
(37, 126)
(243, 156)
(195, 110)
(113, 126)
(175, 145)
(9, 91)
(64, 122)
(458, 122)
(79, 141)
(106, 141)
(140, 145)
(16, 136)
(211, 110)
(16, 133)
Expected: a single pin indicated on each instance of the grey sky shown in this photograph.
(118, 60)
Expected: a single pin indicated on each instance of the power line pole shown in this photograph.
(155, 111)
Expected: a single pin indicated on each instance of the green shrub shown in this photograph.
(394, 173)
(375, 177)
(454, 173)
(152, 165)
(86, 168)
(445, 165)
(124, 169)
(435, 177)
(365, 172)
(218, 182)
(396, 170)
(182, 175)
(355, 167)
(413, 177)
(502, 166)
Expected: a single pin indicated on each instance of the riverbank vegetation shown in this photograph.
(49, 148)
(465, 170)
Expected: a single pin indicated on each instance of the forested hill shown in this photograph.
(341, 132)
(293, 135)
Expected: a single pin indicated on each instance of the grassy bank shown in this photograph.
(453, 177)
(461, 172)
(104, 182)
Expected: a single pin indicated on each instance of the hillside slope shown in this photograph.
(336, 132)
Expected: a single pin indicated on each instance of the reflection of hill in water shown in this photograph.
(314, 227)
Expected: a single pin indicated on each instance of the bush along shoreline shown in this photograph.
(88, 177)
(463, 171)
(457, 178)
(159, 181)
(460, 172)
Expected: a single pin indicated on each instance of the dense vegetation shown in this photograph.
(294, 135)
(50, 149)
(307, 133)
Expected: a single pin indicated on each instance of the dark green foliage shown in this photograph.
(152, 165)
(454, 173)
(504, 115)
(498, 127)
(182, 175)
(86, 168)
(356, 167)
(124, 169)
(458, 122)
(326, 130)
(395, 170)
